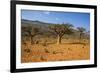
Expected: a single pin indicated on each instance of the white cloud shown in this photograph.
(40, 14)
(57, 19)
(46, 12)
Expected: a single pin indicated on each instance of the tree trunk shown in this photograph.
(59, 40)
(80, 35)
(32, 40)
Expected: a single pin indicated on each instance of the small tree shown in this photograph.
(60, 30)
(81, 30)
(31, 32)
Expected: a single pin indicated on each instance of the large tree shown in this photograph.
(81, 31)
(60, 30)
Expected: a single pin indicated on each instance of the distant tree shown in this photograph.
(88, 34)
(60, 30)
(81, 30)
(30, 31)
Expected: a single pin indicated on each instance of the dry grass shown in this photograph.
(68, 50)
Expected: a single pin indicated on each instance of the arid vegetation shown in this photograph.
(41, 42)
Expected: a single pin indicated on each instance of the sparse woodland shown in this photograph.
(41, 42)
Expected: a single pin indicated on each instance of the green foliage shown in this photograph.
(30, 31)
(61, 29)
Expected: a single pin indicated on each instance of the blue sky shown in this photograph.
(75, 18)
